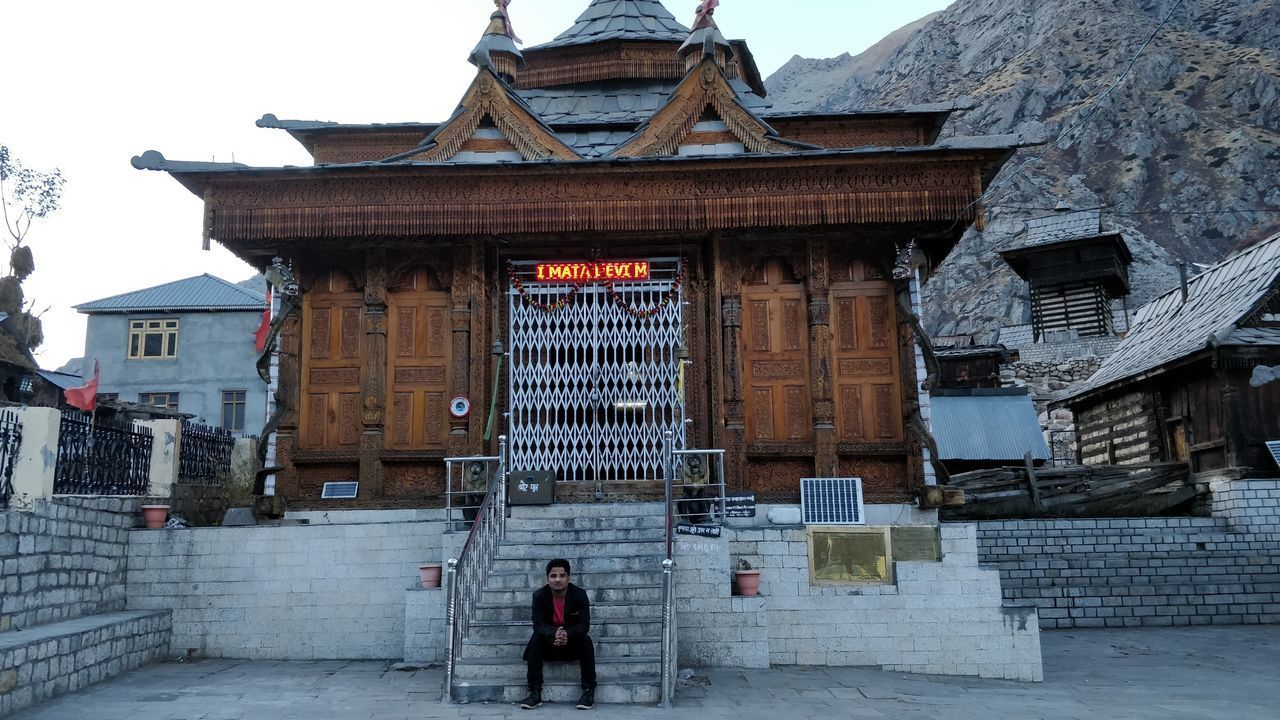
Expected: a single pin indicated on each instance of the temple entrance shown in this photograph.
(595, 380)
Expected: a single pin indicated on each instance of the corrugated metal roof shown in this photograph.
(202, 292)
(621, 20)
(985, 426)
(62, 380)
(1168, 329)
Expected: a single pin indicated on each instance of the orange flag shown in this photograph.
(84, 397)
(264, 327)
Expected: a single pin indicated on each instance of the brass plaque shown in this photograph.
(916, 543)
(849, 556)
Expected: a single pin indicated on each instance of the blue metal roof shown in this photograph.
(987, 425)
(199, 293)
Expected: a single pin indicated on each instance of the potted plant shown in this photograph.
(155, 515)
(430, 573)
(748, 579)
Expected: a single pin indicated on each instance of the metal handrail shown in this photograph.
(468, 571)
(450, 493)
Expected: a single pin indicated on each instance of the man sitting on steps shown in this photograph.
(561, 621)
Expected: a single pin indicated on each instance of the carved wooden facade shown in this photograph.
(801, 341)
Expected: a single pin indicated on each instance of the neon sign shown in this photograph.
(585, 272)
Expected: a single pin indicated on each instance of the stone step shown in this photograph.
(528, 578)
(605, 648)
(621, 691)
(597, 595)
(657, 523)
(544, 550)
(578, 510)
(579, 535)
(580, 565)
(518, 630)
(506, 672)
(599, 613)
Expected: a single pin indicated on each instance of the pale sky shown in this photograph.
(90, 83)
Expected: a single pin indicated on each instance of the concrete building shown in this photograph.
(187, 345)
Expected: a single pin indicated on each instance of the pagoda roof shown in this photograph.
(621, 20)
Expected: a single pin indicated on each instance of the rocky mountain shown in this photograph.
(1184, 153)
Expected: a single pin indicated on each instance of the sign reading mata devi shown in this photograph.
(622, 270)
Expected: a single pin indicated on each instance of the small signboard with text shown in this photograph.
(708, 531)
(536, 487)
(740, 505)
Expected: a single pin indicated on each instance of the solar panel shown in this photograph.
(340, 490)
(1274, 447)
(831, 501)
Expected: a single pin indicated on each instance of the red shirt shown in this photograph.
(557, 611)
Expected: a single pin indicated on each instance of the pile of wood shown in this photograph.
(1076, 491)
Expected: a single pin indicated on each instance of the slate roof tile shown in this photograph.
(621, 20)
(1168, 329)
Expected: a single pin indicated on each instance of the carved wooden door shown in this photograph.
(331, 364)
(775, 333)
(418, 352)
(868, 391)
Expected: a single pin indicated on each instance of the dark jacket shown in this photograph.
(577, 612)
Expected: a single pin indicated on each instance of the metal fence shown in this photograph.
(204, 455)
(101, 458)
(10, 441)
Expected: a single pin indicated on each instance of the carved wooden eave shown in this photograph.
(490, 97)
(704, 86)
(255, 212)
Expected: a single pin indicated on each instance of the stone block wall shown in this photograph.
(1137, 572)
(40, 664)
(944, 617)
(424, 626)
(64, 559)
(1248, 505)
(285, 592)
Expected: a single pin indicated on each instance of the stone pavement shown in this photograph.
(1218, 672)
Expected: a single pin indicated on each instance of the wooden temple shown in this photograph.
(646, 245)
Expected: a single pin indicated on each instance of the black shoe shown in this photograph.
(532, 701)
(588, 699)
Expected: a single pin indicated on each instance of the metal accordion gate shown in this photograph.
(595, 376)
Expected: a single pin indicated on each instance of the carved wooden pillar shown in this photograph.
(460, 296)
(818, 285)
(288, 397)
(734, 420)
(374, 390)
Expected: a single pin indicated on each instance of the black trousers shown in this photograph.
(540, 651)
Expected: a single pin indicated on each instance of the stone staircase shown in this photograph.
(616, 552)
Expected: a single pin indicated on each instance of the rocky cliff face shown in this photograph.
(1184, 153)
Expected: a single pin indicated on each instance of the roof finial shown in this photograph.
(704, 12)
(506, 19)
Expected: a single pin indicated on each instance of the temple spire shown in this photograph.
(705, 38)
(497, 49)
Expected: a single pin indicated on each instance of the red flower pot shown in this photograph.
(155, 515)
(748, 582)
(430, 575)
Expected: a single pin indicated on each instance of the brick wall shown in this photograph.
(1137, 572)
(65, 559)
(938, 617)
(1248, 505)
(287, 592)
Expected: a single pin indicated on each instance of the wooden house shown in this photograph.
(1188, 383)
(652, 246)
